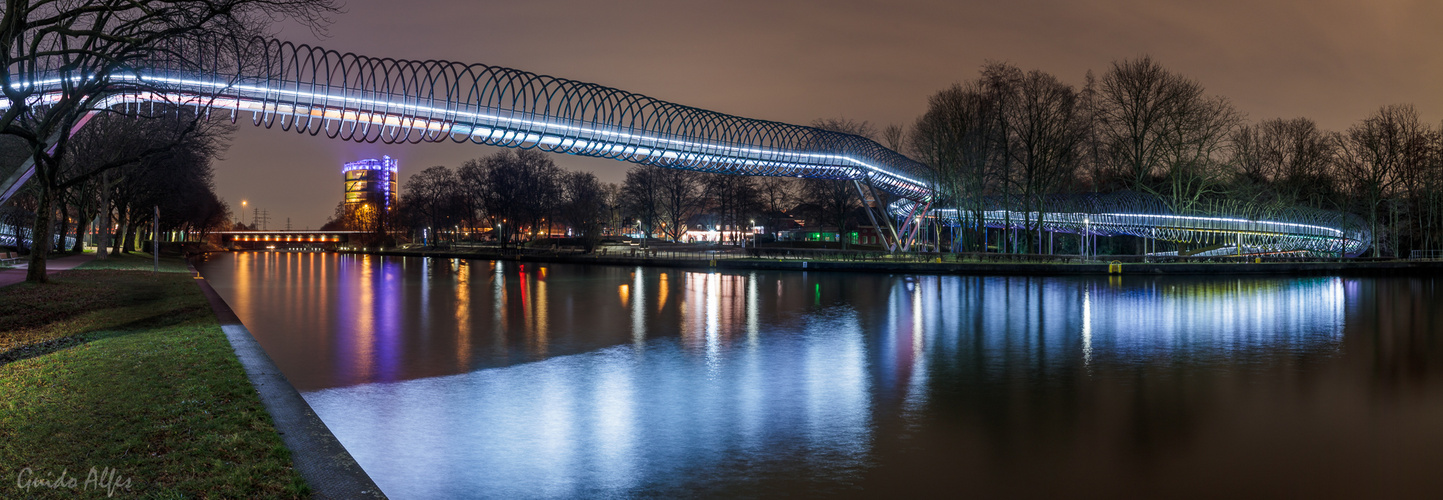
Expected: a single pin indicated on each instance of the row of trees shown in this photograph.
(120, 169)
(522, 193)
(1018, 137)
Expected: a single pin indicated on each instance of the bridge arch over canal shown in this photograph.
(346, 96)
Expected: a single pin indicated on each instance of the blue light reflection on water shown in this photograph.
(575, 425)
(561, 381)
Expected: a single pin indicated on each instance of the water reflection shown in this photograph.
(570, 426)
(610, 381)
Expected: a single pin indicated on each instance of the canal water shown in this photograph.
(455, 379)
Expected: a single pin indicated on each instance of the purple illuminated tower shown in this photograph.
(371, 182)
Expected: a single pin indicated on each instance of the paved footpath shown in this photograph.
(17, 274)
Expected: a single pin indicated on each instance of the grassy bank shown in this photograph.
(112, 367)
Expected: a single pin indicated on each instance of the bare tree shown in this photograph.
(134, 163)
(1161, 133)
(1417, 174)
(894, 137)
(1282, 161)
(1371, 155)
(1046, 131)
(521, 189)
(1198, 139)
(615, 215)
(471, 195)
(681, 198)
(1429, 195)
(433, 200)
(87, 44)
(847, 126)
(778, 194)
(641, 196)
(584, 206)
(734, 200)
(835, 200)
(958, 138)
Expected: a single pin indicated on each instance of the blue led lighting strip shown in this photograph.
(352, 97)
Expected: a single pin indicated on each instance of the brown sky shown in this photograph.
(1331, 60)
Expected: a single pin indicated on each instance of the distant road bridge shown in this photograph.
(285, 240)
(357, 98)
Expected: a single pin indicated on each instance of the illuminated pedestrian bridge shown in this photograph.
(1228, 229)
(351, 97)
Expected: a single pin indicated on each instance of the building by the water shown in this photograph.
(371, 182)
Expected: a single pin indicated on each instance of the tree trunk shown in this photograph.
(40, 235)
(64, 226)
(121, 232)
(82, 224)
(117, 235)
(131, 229)
(102, 233)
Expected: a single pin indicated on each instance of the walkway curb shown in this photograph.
(328, 468)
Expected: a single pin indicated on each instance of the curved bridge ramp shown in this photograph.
(1262, 229)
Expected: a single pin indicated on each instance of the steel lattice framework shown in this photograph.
(346, 96)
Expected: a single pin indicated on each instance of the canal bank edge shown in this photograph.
(974, 268)
(329, 470)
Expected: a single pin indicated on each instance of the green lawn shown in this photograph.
(121, 369)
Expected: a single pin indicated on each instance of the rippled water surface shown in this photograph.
(447, 378)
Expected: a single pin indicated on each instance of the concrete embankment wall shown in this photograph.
(968, 268)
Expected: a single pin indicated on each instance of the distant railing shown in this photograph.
(712, 253)
(1426, 255)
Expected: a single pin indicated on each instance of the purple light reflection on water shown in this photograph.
(389, 329)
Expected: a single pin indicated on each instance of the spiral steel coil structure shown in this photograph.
(346, 96)
(1269, 229)
(8, 232)
(352, 97)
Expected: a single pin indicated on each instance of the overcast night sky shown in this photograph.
(1334, 61)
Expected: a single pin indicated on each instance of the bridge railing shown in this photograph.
(1426, 255)
(865, 255)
